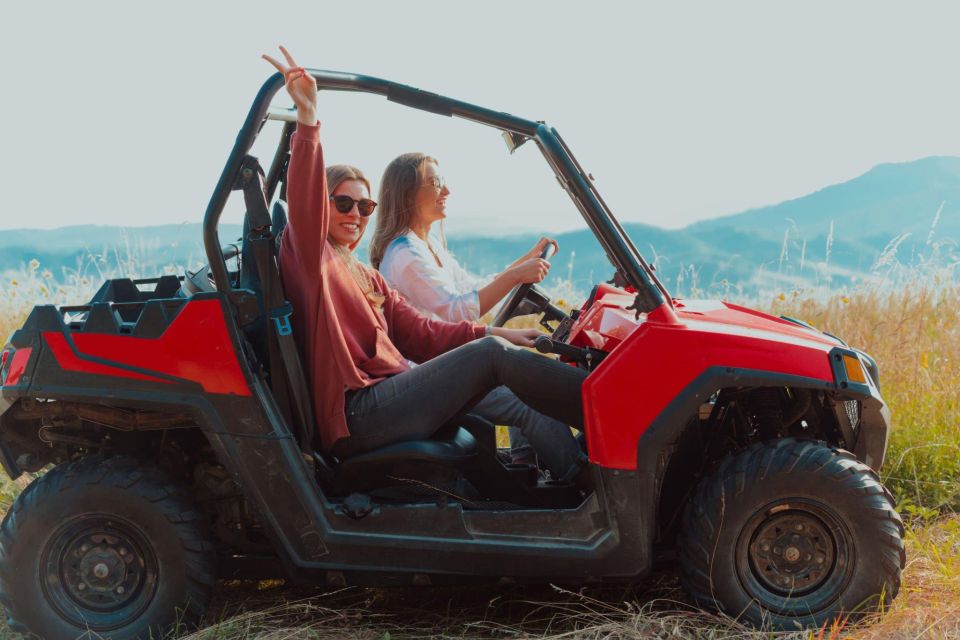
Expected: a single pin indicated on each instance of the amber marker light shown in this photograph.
(854, 369)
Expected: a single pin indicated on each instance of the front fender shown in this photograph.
(660, 367)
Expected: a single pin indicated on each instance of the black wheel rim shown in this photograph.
(99, 572)
(795, 557)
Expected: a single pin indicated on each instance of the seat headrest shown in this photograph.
(278, 220)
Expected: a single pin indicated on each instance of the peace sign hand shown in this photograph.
(300, 85)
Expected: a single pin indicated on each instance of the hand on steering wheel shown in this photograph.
(532, 270)
(520, 291)
(540, 247)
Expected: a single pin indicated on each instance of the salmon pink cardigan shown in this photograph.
(345, 343)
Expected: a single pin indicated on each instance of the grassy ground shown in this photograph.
(913, 334)
(927, 607)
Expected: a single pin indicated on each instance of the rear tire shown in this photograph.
(107, 545)
(791, 534)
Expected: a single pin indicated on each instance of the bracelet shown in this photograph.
(488, 331)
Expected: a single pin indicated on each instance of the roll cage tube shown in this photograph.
(620, 250)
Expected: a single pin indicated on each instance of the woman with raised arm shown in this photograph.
(415, 262)
(356, 333)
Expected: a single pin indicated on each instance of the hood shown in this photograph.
(724, 317)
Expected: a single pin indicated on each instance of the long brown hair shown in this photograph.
(397, 201)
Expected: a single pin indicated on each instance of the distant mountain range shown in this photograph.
(893, 215)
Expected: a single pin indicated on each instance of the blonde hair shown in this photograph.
(337, 174)
(397, 201)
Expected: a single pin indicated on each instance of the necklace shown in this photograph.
(424, 236)
(360, 276)
(435, 256)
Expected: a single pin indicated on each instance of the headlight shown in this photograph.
(849, 369)
(854, 369)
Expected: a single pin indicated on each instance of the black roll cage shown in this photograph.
(620, 250)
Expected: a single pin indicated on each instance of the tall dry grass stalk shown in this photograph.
(33, 285)
(914, 334)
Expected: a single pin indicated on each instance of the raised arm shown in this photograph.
(306, 176)
(300, 85)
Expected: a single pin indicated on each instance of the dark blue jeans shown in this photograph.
(413, 405)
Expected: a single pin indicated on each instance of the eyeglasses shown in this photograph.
(344, 204)
(437, 182)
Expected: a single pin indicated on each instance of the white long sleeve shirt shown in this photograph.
(449, 291)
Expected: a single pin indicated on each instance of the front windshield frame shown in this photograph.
(620, 250)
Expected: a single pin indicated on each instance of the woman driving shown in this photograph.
(414, 261)
(356, 333)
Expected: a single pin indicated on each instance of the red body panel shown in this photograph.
(195, 347)
(652, 362)
(71, 361)
(17, 366)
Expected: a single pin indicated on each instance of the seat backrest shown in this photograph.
(250, 279)
(277, 354)
(256, 331)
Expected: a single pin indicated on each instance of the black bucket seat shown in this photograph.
(448, 452)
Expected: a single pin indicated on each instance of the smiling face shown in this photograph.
(347, 228)
(431, 201)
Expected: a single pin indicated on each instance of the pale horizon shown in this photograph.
(475, 225)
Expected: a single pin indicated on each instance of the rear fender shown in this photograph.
(23, 351)
(169, 355)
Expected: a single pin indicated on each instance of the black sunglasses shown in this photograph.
(344, 204)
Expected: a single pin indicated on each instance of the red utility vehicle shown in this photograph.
(175, 425)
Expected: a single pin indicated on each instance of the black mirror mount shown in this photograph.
(513, 140)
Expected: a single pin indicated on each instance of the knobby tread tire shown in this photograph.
(127, 482)
(809, 469)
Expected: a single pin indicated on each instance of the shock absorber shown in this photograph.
(765, 411)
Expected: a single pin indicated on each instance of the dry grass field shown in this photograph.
(914, 333)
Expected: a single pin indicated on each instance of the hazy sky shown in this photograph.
(123, 113)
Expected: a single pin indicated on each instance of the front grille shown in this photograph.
(852, 408)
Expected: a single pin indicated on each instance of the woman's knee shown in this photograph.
(493, 344)
(490, 354)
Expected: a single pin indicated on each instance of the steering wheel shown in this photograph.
(519, 292)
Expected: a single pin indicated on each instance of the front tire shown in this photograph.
(107, 545)
(790, 534)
